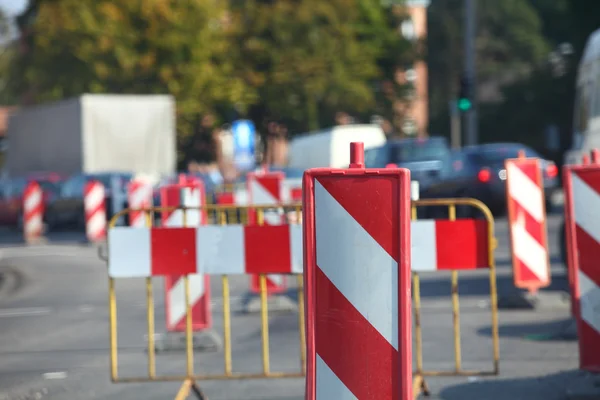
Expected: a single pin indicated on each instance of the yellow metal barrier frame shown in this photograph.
(419, 383)
(219, 213)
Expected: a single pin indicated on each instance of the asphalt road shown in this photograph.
(54, 333)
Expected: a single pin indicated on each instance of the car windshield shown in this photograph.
(419, 150)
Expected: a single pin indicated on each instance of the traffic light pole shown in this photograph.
(471, 135)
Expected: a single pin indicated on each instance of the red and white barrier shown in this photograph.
(94, 200)
(435, 243)
(188, 194)
(239, 249)
(210, 250)
(139, 197)
(582, 202)
(357, 282)
(266, 189)
(527, 223)
(33, 211)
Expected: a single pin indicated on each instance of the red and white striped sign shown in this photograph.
(357, 280)
(186, 195)
(33, 211)
(266, 189)
(209, 249)
(238, 249)
(439, 245)
(582, 202)
(139, 197)
(527, 219)
(94, 200)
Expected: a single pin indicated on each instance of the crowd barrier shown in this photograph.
(220, 249)
(452, 245)
(582, 224)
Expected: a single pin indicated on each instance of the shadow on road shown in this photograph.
(554, 331)
(560, 386)
(479, 285)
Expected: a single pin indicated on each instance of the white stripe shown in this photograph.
(287, 186)
(260, 195)
(586, 205)
(328, 385)
(528, 250)
(525, 192)
(589, 301)
(415, 192)
(129, 252)
(138, 220)
(297, 250)
(141, 197)
(95, 197)
(96, 224)
(32, 201)
(357, 265)
(191, 198)
(220, 250)
(175, 219)
(423, 252)
(34, 224)
(275, 217)
(276, 280)
(240, 197)
(177, 308)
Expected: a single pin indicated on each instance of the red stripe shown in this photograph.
(271, 183)
(591, 177)
(173, 251)
(462, 244)
(225, 198)
(201, 313)
(589, 254)
(359, 196)
(530, 167)
(361, 358)
(589, 354)
(534, 228)
(296, 194)
(268, 249)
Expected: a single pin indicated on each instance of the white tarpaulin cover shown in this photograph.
(95, 133)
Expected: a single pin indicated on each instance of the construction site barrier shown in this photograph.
(220, 249)
(452, 245)
(527, 223)
(357, 279)
(582, 224)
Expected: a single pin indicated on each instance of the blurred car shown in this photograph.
(478, 172)
(425, 158)
(68, 209)
(11, 195)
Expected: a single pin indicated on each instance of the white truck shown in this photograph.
(330, 148)
(95, 133)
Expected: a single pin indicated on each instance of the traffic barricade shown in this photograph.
(357, 278)
(526, 208)
(452, 245)
(33, 212)
(190, 194)
(267, 188)
(582, 224)
(224, 250)
(94, 203)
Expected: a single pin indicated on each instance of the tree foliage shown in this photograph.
(310, 58)
(125, 46)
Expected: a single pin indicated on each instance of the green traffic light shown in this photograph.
(464, 104)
